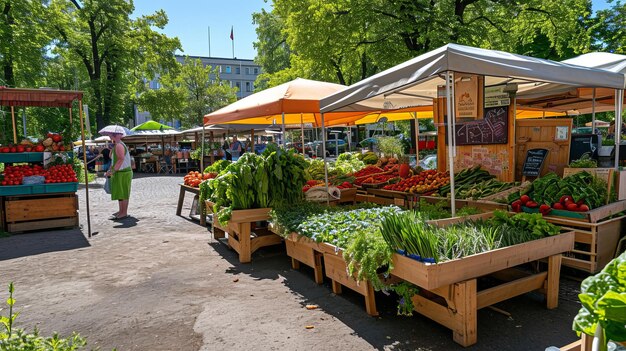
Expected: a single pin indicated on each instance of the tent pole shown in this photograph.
(82, 135)
(451, 151)
(593, 112)
(252, 140)
(302, 133)
(282, 136)
(417, 138)
(14, 126)
(325, 162)
(619, 105)
(202, 151)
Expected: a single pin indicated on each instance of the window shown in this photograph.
(247, 70)
(256, 70)
(247, 86)
(238, 85)
(237, 70)
(228, 70)
(219, 68)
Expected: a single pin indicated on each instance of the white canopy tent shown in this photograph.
(415, 82)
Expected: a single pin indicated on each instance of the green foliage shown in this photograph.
(112, 50)
(409, 233)
(368, 256)
(391, 146)
(581, 186)
(405, 291)
(346, 41)
(441, 209)
(603, 299)
(369, 158)
(585, 161)
(18, 339)
(217, 166)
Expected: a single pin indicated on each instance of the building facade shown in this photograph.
(240, 73)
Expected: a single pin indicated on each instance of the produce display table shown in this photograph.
(406, 198)
(39, 211)
(181, 198)
(304, 250)
(455, 282)
(480, 204)
(241, 237)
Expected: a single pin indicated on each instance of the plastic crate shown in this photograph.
(61, 188)
(39, 188)
(14, 157)
(8, 190)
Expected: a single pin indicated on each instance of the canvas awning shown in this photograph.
(415, 82)
(560, 97)
(38, 97)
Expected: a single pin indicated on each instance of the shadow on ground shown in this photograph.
(28, 244)
(527, 327)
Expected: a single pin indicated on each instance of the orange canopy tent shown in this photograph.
(294, 102)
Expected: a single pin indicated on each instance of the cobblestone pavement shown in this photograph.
(157, 281)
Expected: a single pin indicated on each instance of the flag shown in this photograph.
(232, 36)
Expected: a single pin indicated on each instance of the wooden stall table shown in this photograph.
(241, 236)
(181, 198)
(449, 293)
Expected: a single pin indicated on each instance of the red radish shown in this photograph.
(524, 199)
(557, 206)
(531, 204)
(544, 209)
(583, 208)
(565, 198)
(572, 206)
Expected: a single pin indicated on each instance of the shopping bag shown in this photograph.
(107, 185)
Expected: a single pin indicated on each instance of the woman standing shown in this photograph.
(121, 175)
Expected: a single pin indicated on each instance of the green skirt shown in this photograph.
(120, 184)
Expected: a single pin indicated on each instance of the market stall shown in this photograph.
(42, 190)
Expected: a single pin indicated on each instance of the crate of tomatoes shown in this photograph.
(194, 178)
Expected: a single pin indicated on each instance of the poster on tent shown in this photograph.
(466, 96)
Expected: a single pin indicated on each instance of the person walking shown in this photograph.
(121, 174)
(236, 148)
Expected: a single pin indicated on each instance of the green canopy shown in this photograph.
(151, 125)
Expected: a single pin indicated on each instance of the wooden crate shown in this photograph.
(604, 173)
(336, 269)
(480, 204)
(400, 198)
(301, 250)
(37, 212)
(454, 283)
(454, 220)
(595, 243)
(240, 234)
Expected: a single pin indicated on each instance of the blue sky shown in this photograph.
(189, 21)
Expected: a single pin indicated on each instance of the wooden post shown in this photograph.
(212, 156)
(552, 289)
(465, 300)
(82, 134)
(252, 140)
(71, 124)
(245, 255)
(14, 126)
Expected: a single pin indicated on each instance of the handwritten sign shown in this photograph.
(493, 129)
(496, 96)
(534, 162)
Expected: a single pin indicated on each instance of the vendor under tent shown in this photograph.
(422, 79)
(15, 97)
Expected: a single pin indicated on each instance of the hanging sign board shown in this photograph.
(466, 96)
(534, 162)
(496, 96)
(493, 129)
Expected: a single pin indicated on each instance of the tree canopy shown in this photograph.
(345, 41)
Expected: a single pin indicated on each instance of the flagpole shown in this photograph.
(232, 40)
(209, 31)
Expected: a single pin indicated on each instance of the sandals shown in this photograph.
(114, 217)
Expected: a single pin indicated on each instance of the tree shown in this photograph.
(610, 29)
(115, 51)
(23, 42)
(188, 93)
(347, 40)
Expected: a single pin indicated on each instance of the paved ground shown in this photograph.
(160, 282)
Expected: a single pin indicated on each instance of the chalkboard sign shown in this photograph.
(534, 162)
(493, 129)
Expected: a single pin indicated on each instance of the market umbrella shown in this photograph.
(151, 128)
